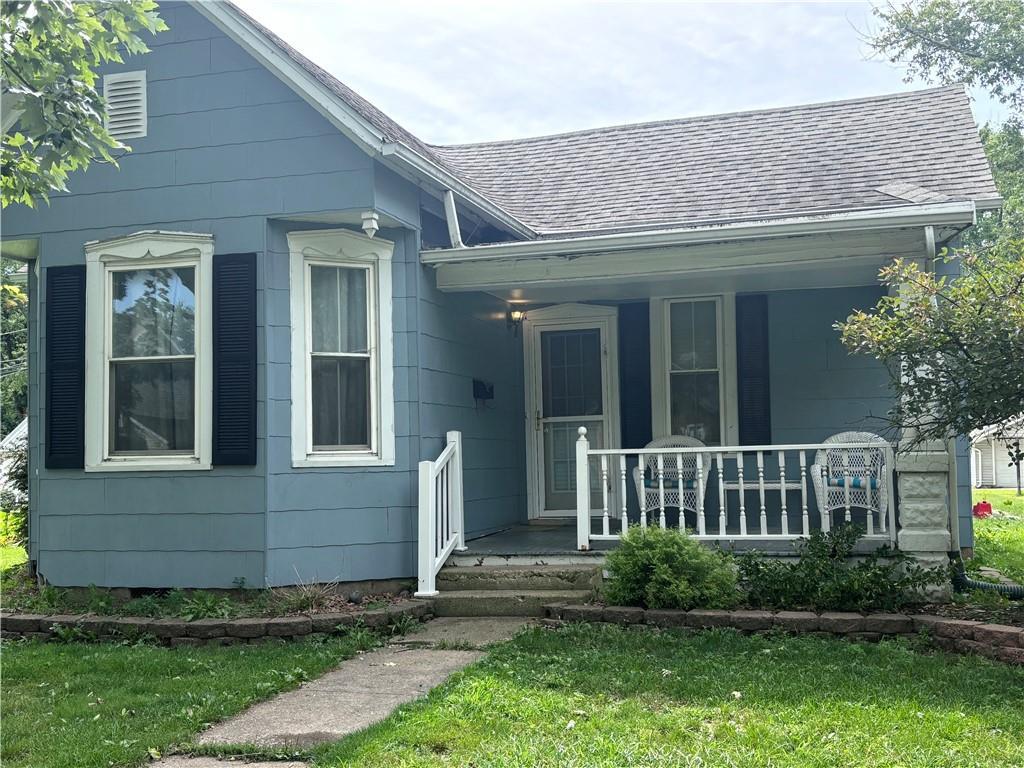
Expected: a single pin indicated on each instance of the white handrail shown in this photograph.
(874, 496)
(441, 514)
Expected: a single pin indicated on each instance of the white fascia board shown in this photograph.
(409, 163)
(934, 214)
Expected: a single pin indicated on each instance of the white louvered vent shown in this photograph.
(125, 93)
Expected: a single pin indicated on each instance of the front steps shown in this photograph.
(512, 590)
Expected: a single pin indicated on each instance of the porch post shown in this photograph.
(582, 491)
(922, 473)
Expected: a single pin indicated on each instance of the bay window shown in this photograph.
(342, 402)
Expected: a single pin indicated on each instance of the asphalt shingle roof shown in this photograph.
(881, 151)
(862, 153)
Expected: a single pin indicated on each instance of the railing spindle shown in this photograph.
(847, 479)
(743, 495)
(722, 519)
(804, 520)
(661, 489)
(701, 523)
(624, 524)
(760, 491)
(680, 483)
(643, 487)
(604, 495)
(782, 491)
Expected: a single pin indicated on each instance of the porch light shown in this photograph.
(513, 319)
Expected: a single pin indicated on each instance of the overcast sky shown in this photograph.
(474, 71)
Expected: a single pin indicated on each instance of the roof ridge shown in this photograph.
(699, 118)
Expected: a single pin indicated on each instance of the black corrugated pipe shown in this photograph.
(962, 582)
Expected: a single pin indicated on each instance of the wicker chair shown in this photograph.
(852, 478)
(646, 478)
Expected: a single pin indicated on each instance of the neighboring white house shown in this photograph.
(990, 454)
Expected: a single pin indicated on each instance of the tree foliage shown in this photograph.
(1004, 147)
(976, 42)
(50, 51)
(954, 348)
(13, 348)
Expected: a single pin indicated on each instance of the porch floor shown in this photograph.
(549, 538)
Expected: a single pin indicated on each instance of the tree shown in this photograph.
(954, 348)
(13, 348)
(975, 42)
(1004, 146)
(50, 51)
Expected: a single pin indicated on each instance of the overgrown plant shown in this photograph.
(826, 577)
(664, 568)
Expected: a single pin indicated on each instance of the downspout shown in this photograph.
(451, 216)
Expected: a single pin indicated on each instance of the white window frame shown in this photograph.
(661, 341)
(145, 250)
(342, 248)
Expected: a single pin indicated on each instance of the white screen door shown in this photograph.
(574, 383)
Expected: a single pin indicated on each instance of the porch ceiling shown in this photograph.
(808, 261)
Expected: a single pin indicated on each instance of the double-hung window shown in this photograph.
(342, 401)
(148, 352)
(692, 368)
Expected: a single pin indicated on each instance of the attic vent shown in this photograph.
(125, 93)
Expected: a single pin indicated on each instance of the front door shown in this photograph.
(573, 382)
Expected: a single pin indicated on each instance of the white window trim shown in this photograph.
(141, 251)
(341, 247)
(661, 412)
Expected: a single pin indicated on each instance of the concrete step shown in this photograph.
(504, 602)
(518, 577)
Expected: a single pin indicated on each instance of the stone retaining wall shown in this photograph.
(178, 632)
(996, 641)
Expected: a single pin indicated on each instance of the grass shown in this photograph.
(605, 696)
(999, 540)
(11, 556)
(102, 705)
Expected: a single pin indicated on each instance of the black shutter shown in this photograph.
(65, 367)
(752, 369)
(234, 359)
(635, 373)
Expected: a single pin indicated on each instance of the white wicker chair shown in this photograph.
(645, 477)
(852, 478)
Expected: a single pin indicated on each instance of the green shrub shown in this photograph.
(664, 568)
(825, 578)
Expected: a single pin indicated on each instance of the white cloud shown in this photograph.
(475, 71)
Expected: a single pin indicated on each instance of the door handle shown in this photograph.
(536, 422)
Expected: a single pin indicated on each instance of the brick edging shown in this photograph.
(178, 632)
(996, 641)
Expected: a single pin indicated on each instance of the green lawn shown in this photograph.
(96, 706)
(610, 697)
(11, 556)
(999, 541)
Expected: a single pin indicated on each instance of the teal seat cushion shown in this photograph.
(670, 484)
(856, 481)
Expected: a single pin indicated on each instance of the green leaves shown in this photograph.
(976, 42)
(954, 348)
(49, 54)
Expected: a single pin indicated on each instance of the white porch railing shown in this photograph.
(733, 474)
(441, 521)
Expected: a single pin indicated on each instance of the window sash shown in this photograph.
(109, 272)
(373, 404)
(670, 371)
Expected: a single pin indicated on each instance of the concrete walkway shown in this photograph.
(359, 692)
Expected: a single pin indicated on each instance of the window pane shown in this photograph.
(153, 406)
(338, 309)
(705, 335)
(571, 372)
(681, 336)
(154, 312)
(696, 406)
(341, 402)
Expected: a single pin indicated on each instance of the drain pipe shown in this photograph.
(962, 582)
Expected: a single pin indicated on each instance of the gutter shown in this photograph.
(902, 217)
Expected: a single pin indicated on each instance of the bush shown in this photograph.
(825, 578)
(658, 568)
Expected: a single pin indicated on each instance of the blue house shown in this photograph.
(288, 341)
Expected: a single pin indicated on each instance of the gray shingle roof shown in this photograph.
(745, 166)
(863, 153)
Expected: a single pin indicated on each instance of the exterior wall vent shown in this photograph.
(125, 93)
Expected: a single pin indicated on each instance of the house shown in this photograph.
(286, 340)
(991, 449)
